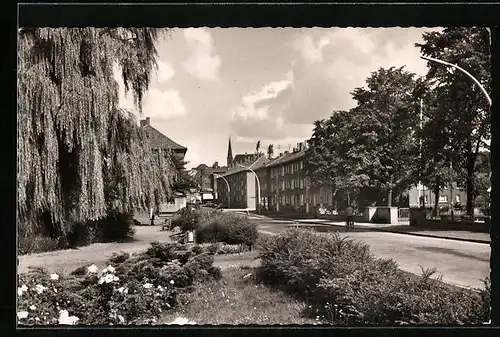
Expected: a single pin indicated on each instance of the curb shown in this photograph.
(403, 233)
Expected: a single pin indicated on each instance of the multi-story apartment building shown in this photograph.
(284, 185)
(236, 188)
(289, 187)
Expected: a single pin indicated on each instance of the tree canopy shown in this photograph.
(78, 153)
(371, 145)
(460, 107)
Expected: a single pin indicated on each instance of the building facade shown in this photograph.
(421, 195)
(284, 184)
(290, 189)
(236, 188)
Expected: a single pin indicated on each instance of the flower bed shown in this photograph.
(221, 248)
(345, 284)
(131, 290)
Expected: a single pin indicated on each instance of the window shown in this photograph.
(426, 200)
(301, 165)
(443, 198)
(457, 199)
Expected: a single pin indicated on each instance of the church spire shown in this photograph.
(229, 154)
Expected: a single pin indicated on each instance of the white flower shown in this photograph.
(33, 307)
(55, 290)
(101, 280)
(40, 288)
(37, 319)
(148, 285)
(172, 282)
(65, 319)
(122, 320)
(22, 314)
(22, 289)
(54, 277)
(160, 288)
(181, 321)
(92, 269)
(121, 289)
(108, 278)
(115, 278)
(111, 269)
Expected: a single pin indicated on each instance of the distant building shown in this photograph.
(242, 185)
(284, 185)
(161, 142)
(288, 186)
(206, 177)
(420, 195)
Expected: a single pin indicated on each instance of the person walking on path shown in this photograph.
(152, 216)
(349, 212)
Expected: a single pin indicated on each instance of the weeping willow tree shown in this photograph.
(79, 155)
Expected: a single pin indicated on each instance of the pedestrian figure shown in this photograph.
(152, 217)
(349, 212)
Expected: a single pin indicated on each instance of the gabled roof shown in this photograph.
(255, 165)
(160, 141)
(285, 158)
(241, 158)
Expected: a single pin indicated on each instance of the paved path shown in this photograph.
(461, 263)
(97, 253)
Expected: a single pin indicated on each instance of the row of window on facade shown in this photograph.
(443, 198)
(287, 169)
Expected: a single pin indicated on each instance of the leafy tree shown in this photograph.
(257, 148)
(78, 153)
(183, 181)
(384, 129)
(435, 157)
(467, 111)
(270, 151)
(330, 158)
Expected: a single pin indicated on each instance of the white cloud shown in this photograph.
(165, 72)
(328, 64)
(164, 105)
(254, 106)
(311, 50)
(204, 63)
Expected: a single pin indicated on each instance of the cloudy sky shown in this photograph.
(263, 84)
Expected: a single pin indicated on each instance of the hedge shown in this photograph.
(345, 284)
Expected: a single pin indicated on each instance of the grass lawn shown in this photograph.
(238, 300)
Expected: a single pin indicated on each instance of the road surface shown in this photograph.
(461, 263)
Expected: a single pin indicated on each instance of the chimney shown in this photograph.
(300, 147)
(287, 152)
(145, 122)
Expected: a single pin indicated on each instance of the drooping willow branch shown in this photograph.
(78, 153)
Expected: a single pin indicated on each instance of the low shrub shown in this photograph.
(38, 244)
(115, 227)
(345, 284)
(137, 289)
(229, 228)
(186, 219)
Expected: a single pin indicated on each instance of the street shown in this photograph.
(460, 263)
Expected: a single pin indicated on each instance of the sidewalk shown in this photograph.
(407, 230)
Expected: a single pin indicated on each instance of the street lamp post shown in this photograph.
(228, 189)
(258, 183)
(483, 90)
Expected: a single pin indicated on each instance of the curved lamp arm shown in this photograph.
(462, 70)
